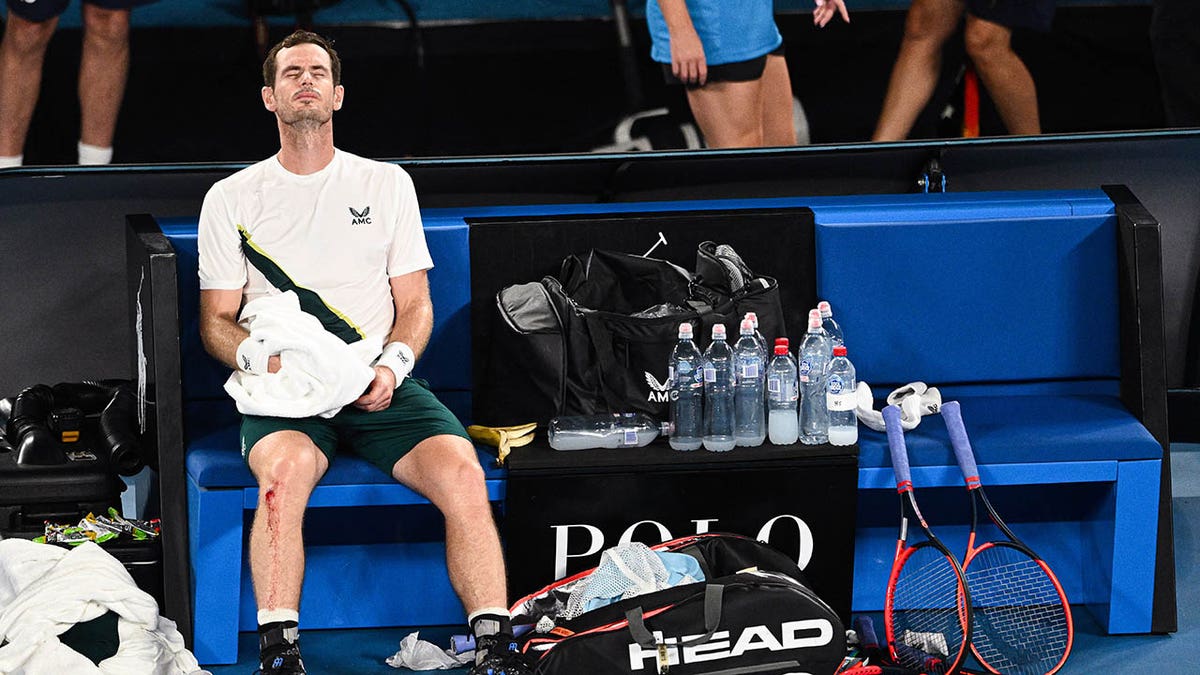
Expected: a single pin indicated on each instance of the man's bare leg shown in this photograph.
(926, 28)
(287, 466)
(22, 54)
(445, 469)
(103, 71)
(989, 45)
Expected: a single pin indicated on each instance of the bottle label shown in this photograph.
(710, 374)
(749, 371)
(834, 385)
(774, 385)
(839, 402)
(630, 437)
(806, 367)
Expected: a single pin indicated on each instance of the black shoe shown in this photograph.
(279, 651)
(499, 655)
(282, 662)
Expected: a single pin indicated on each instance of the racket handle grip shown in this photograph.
(865, 628)
(895, 436)
(952, 414)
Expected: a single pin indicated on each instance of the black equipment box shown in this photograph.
(60, 493)
(563, 508)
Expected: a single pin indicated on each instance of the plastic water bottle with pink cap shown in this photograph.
(831, 327)
(718, 393)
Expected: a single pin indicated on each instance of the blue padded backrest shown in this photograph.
(446, 363)
(941, 290)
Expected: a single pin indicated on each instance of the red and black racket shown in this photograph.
(927, 609)
(1021, 618)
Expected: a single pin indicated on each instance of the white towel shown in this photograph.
(318, 374)
(45, 590)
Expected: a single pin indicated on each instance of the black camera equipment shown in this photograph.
(45, 423)
(27, 427)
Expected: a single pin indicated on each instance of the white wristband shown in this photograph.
(252, 356)
(399, 357)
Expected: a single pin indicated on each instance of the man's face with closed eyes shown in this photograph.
(304, 93)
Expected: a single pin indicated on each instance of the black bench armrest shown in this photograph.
(1144, 369)
(154, 323)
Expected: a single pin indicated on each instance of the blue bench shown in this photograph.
(943, 288)
(1015, 309)
(341, 573)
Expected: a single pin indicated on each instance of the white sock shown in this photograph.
(274, 615)
(498, 611)
(92, 154)
(8, 162)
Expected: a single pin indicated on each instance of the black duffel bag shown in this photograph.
(597, 338)
(753, 613)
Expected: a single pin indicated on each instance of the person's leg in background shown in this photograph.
(778, 127)
(103, 70)
(22, 53)
(729, 113)
(1003, 73)
(928, 25)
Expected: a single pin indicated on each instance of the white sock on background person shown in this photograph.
(9, 162)
(93, 154)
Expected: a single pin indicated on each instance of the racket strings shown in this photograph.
(1021, 624)
(927, 612)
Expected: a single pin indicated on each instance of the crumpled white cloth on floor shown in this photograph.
(45, 590)
(417, 654)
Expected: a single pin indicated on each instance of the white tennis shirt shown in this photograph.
(340, 233)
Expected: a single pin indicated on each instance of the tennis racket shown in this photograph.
(1022, 621)
(926, 612)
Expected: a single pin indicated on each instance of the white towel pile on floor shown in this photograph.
(45, 590)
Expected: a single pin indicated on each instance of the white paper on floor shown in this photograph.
(417, 654)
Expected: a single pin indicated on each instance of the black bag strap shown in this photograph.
(713, 595)
(609, 371)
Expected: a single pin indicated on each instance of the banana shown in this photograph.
(503, 438)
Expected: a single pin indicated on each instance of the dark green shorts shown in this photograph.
(381, 438)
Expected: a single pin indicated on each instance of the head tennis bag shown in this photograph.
(752, 614)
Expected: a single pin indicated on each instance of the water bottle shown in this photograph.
(686, 373)
(749, 369)
(758, 336)
(814, 355)
(782, 394)
(840, 399)
(718, 393)
(616, 430)
(832, 329)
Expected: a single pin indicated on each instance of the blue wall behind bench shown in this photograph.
(989, 292)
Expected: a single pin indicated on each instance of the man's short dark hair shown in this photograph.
(298, 38)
